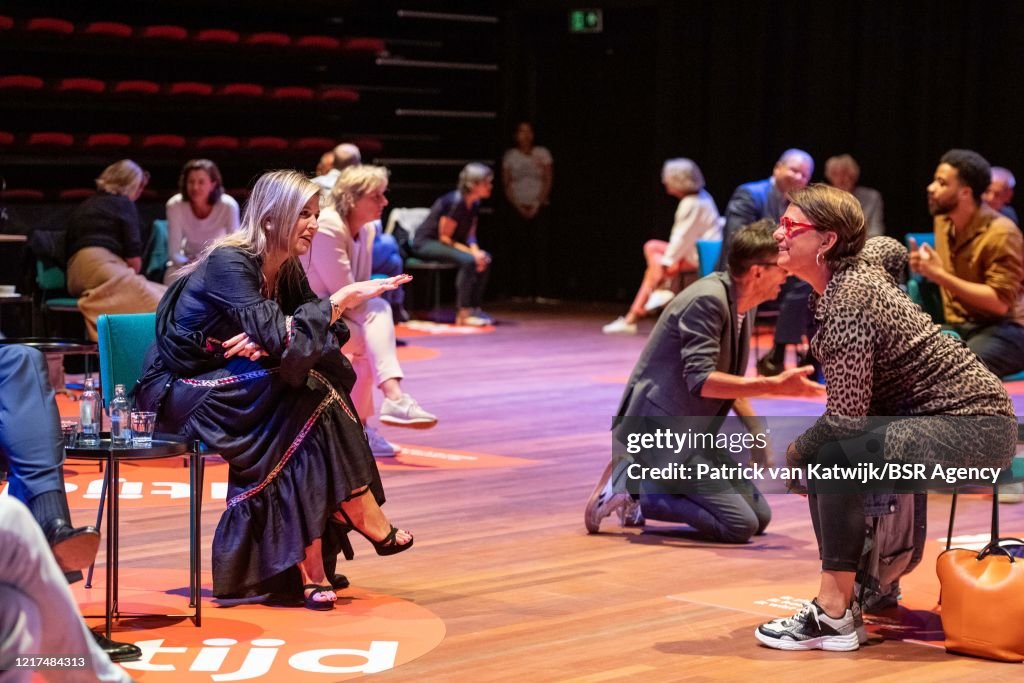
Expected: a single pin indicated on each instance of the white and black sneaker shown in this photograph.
(811, 629)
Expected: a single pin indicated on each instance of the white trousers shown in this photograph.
(371, 350)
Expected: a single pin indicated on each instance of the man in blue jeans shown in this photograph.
(693, 366)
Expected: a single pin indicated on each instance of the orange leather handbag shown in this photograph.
(983, 601)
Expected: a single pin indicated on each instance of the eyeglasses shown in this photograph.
(793, 228)
(768, 264)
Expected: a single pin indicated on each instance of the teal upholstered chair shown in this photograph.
(921, 238)
(156, 255)
(123, 342)
(708, 252)
(53, 297)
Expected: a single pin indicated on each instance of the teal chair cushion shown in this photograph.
(49, 278)
(708, 252)
(123, 342)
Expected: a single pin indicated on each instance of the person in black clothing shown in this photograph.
(248, 360)
(449, 234)
(104, 248)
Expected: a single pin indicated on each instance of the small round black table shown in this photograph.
(162, 446)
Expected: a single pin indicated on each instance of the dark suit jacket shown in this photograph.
(750, 202)
(695, 335)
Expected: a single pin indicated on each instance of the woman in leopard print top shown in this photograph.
(881, 356)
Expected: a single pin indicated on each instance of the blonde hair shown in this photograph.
(270, 213)
(354, 183)
(683, 176)
(121, 177)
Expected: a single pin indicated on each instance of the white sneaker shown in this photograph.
(472, 321)
(406, 412)
(603, 502)
(479, 313)
(659, 298)
(811, 629)
(619, 326)
(379, 446)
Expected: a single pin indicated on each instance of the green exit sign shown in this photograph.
(585, 21)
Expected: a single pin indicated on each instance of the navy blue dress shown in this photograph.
(285, 424)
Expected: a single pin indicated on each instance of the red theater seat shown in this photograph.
(90, 85)
(6, 23)
(243, 90)
(372, 145)
(218, 142)
(266, 142)
(335, 94)
(314, 144)
(6, 138)
(318, 42)
(292, 92)
(23, 195)
(373, 45)
(21, 83)
(190, 89)
(108, 29)
(163, 141)
(164, 32)
(76, 194)
(239, 193)
(50, 25)
(269, 38)
(137, 87)
(108, 140)
(51, 140)
(217, 35)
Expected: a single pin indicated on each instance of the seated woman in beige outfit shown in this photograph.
(342, 253)
(105, 248)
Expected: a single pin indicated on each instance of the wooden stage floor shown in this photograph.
(525, 594)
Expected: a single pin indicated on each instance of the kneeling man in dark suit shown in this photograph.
(693, 366)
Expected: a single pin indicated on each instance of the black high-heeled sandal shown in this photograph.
(317, 605)
(388, 545)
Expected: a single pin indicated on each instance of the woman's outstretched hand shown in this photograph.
(241, 345)
(360, 292)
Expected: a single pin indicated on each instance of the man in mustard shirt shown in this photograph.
(978, 262)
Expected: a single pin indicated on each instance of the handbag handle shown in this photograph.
(994, 547)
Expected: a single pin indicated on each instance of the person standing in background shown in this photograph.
(527, 172)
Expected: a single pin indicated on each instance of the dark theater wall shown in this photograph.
(731, 84)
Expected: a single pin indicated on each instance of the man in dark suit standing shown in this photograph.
(693, 365)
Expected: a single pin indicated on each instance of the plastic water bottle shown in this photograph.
(120, 416)
(90, 411)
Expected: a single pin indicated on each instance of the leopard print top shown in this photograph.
(883, 356)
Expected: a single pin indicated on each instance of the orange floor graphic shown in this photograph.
(166, 482)
(366, 632)
(427, 328)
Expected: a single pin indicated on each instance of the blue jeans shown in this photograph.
(1000, 346)
(387, 260)
(31, 443)
(469, 284)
